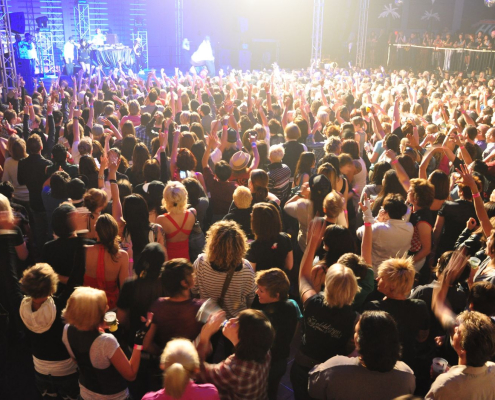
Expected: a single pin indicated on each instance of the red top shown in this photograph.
(109, 287)
(178, 249)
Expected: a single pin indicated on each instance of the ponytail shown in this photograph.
(176, 379)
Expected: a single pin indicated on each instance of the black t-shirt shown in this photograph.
(327, 330)
(243, 217)
(456, 214)
(284, 316)
(293, 150)
(411, 315)
(268, 255)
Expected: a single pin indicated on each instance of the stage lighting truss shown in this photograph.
(317, 31)
(179, 30)
(143, 35)
(82, 21)
(364, 6)
(46, 55)
(52, 9)
(8, 75)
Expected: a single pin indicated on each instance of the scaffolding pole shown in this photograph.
(317, 36)
(46, 55)
(8, 75)
(179, 30)
(82, 21)
(52, 9)
(364, 6)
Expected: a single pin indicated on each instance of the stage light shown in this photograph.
(489, 3)
(399, 2)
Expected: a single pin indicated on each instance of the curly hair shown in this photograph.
(185, 160)
(226, 244)
(39, 281)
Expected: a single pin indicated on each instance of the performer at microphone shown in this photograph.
(204, 56)
(137, 50)
(28, 55)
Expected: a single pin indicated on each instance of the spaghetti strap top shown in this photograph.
(179, 228)
(109, 287)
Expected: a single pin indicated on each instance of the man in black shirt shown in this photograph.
(32, 173)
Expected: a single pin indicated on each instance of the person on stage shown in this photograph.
(137, 50)
(204, 56)
(84, 56)
(28, 55)
(69, 48)
(99, 39)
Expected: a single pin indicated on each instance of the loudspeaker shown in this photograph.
(42, 22)
(17, 22)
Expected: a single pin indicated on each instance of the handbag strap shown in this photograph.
(225, 287)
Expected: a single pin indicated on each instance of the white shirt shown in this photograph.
(99, 39)
(204, 53)
(464, 382)
(390, 239)
(69, 51)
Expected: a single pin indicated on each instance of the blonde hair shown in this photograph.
(85, 308)
(226, 244)
(276, 153)
(323, 116)
(5, 206)
(292, 131)
(242, 197)
(398, 273)
(179, 361)
(333, 204)
(175, 197)
(134, 107)
(340, 286)
(185, 118)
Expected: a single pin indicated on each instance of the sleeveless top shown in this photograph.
(110, 288)
(106, 381)
(178, 249)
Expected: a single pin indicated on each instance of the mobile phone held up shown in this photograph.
(183, 174)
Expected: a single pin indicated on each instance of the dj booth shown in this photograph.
(108, 56)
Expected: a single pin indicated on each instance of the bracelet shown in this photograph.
(461, 147)
(138, 347)
(476, 195)
(394, 162)
(91, 106)
(101, 176)
(367, 224)
(253, 145)
(345, 212)
(113, 181)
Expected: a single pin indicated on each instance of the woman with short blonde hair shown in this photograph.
(180, 363)
(398, 275)
(340, 286)
(104, 369)
(225, 248)
(178, 221)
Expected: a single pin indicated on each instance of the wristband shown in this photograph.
(253, 145)
(138, 347)
(461, 147)
(113, 181)
(90, 106)
(394, 162)
(476, 195)
(101, 176)
(367, 224)
(345, 212)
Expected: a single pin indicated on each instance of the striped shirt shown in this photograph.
(279, 180)
(209, 284)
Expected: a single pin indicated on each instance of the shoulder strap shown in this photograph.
(185, 219)
(172, 221)
(225, 287)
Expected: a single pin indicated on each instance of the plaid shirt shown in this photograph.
(237, 379)
(141, 135)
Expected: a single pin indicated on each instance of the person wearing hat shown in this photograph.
(308, 203)
(239, 164)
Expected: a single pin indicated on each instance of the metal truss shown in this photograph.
(364, 6)
(46, 55)
(179, 30)
(144, 43)
(52, 9)
(82, 21)
(8, 75)
(317, 35)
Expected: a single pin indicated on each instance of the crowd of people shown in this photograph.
(165, 239)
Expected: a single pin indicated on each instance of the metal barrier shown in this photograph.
(447, 58)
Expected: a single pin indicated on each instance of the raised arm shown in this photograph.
(396, 123)
(401, 173)
(366, 243)
(175, 147)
